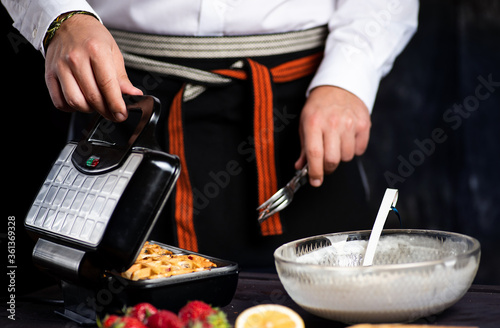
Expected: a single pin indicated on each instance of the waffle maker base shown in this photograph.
(97, 207)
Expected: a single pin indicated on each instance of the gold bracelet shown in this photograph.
(56, 24)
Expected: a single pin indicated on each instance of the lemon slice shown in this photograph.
(269, 316)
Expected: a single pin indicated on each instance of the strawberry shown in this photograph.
(195, 310)
(164, 319)
(141, 311)
(108, 321)
(216, 320)
(114, 321)
(129, 322)
(198, 314)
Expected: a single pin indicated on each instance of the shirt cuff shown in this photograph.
(346, 67)
(34, 20)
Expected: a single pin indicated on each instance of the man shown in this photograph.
(241, 120)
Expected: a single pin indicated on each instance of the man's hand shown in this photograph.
(84, 69)
(334, 126)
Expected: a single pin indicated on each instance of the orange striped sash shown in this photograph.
(263, 128)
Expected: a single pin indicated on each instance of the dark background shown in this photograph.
(456, 186)
(452, 185)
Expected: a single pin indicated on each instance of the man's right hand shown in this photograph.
(84, 69)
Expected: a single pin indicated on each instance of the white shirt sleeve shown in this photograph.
(33, 17)
(364, 40)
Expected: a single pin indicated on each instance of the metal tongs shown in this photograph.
(283, 197)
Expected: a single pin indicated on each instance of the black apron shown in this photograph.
(217, 126)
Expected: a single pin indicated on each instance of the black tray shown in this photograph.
(215, 286)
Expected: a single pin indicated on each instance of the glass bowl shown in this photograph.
(415, 273)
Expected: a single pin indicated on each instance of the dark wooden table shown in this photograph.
(480, 307)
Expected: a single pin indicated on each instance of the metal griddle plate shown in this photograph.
(77, 206)
(102, 196)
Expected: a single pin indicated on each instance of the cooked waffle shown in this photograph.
(156, 262)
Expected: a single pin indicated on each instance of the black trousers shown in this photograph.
(221, 163)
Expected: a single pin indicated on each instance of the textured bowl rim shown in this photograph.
(476, 247)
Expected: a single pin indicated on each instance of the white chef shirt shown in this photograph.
(365, 35)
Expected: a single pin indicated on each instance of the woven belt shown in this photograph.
(198, 80)
(220, 47)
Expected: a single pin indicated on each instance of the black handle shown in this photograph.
(151, 109)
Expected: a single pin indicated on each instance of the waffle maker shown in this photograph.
(97, 207)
